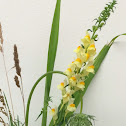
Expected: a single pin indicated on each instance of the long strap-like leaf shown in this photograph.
(51, 57)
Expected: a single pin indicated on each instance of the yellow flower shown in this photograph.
(53, 111)
(84, 57)
(73, 81)
(67, 96)
(86, 40)
(71, 106)
(84, 72)
(81, 85)
(90, 69)
(72, 66)
(68, 72)
(78, 62)
(61, 86)
(91, 50)
(79, 49)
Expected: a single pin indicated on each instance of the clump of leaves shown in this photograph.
(101, 20)
(81, 120)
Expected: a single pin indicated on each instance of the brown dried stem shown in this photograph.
(8, 85)
(3, 108)
(18, 71)
(1, 37)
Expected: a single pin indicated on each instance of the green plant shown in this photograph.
(81, 120)
(77, 79)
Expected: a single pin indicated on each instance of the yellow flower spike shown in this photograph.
(61, 86)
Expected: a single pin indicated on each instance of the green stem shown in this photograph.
(81, 109)
(32, 91)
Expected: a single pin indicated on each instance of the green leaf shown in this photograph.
(51, 57)
(94, 28)
(39, 115)
(33, 89)
(81, 120)
(112, 41)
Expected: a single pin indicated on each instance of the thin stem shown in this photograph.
(81, 109)
(6, 108)
(8, 84)
(22, 93)
(23, 102)
(93, 35)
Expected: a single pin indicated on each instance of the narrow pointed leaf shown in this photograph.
(51, 57)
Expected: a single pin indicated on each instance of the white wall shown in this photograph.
(27, 23)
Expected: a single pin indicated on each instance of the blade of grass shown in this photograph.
(51, 57)
(99, 59)
(8, 109)
(33, 89)
(112, 41)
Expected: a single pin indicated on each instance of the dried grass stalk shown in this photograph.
(2, 121)
(17, 81)
(16, 61)
(18, 71)
(1, 37)
(3, 108)
(0, 48)
(2, 98)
